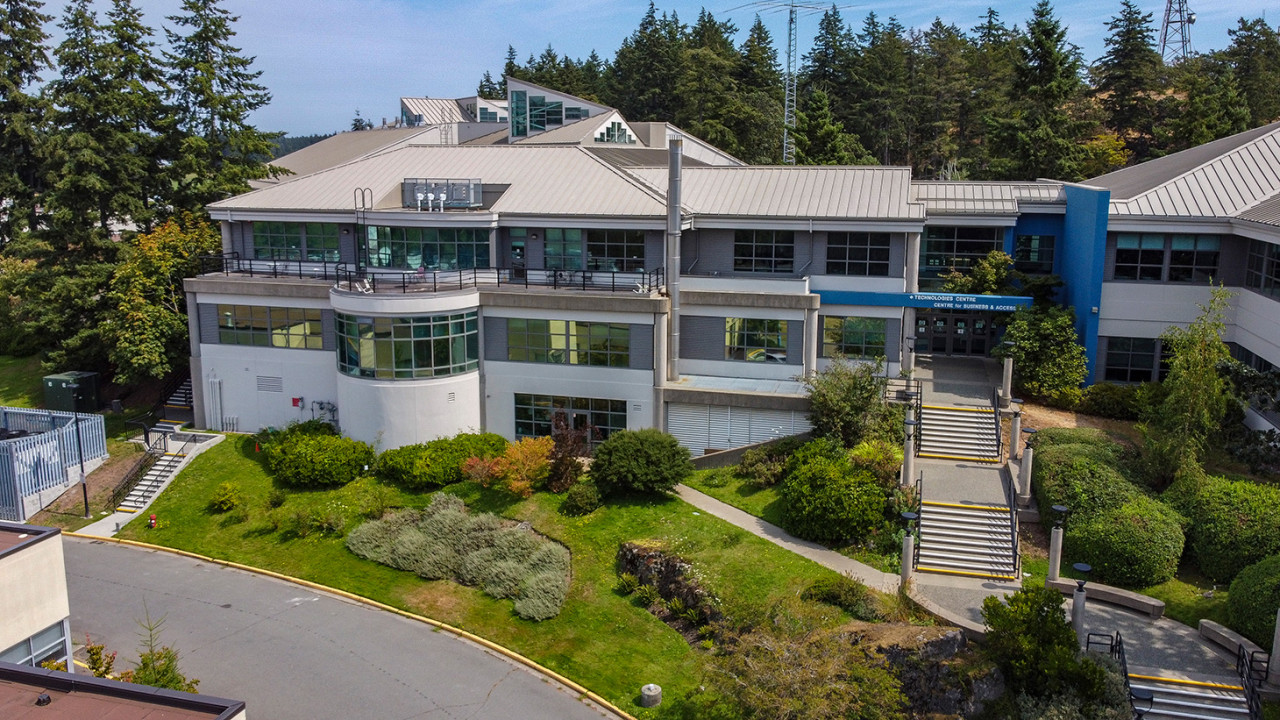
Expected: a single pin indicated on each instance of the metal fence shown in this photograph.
(40, 450)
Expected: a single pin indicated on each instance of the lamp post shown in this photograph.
(909, 355)
(908, 547)
(1024, 469)
(1141, 700)
(84, 483)
(1078, 599)
(1055, 541)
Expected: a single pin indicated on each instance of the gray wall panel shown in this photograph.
(655, 248)
(1109, 269)
(348, 244)
(1233, 260)
(495, 338)
(702, 338)
(795, 342)
(897, 255)
(327, 327)
(641, 347)
(208, 316)
(892, 340)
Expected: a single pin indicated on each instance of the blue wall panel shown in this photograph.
(1082, 259)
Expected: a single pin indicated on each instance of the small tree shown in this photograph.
(571, 444)
(157, 664)
(1029, 637)
(1048, 359)
(646, 460)
(847, 403)
(991, 275)
(524, 464)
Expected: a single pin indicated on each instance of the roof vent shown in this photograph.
(439, 194)
(43, 700)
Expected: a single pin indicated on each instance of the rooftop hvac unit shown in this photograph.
(431, 194)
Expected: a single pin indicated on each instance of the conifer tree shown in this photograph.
(707, 88)
(1127, 78)
(989, 68)
(22, 113)
(821, 139)
(593, 73)
(213, 89)
(882, 90)
(646, 69)
(1206, 105)
(828, 64)
(488, 89)
(1254, 54)
(942, 91)
(758, 121)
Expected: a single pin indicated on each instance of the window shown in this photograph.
(535, 412)
(1034, 254)
(408, 347)
(427, 248)
(1130, 360)
(958, 247)
(1139, 257)
(1263, 271)
(562, 249)
(569, 342)
(1193, 258)
(615, 132)
(1143, 257)
(575, 113)
(615, 250)
(862, 254)
(755, 340)
(764, 251)
(49, 644)
(519, 113)
(281, 327)
(853, 337)
(314, 242)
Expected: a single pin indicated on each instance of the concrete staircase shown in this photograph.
(956, 433)
(1177, 699)
(972, 540)
(178, 408)
(165, 467)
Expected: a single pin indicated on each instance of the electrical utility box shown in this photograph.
(59, 393)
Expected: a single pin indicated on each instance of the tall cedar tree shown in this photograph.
(943, 90)
(707, 85)
(647, 68)
(213, 92)
(1254, 53)
(989, 67)
(881, 90)
(22, 114)
(1206, 105)
(821, 140)
(829, 62)
(758, 122)
(1127, 79)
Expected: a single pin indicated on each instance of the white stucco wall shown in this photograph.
(308, 374)
(1257, 325)
(391, 413)
(34, 590)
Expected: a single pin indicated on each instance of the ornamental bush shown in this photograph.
(438, 462)
(1135, 544)
(828, 501)
(845, 593)
(1082, 477)
(1048, 360)
(1093, 437)
(765, 465)
(646, 460)
(317, 460)
(582, 499)
(1232, 524)
(1119, 402)
(880, 458)
(1253, 599)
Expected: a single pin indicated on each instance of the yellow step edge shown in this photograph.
(176, 454)
(931, 503)
(126, 510)
(177, 407)
(1180, 681)
(958, 457)
(966, 573)
(988, 411)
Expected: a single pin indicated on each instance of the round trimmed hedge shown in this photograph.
(303, 460)
(1080, 476)
(1253, 599)
(646, 460)
(1135, 544)
(1233, 524)
(827, 501)
(1050, 437)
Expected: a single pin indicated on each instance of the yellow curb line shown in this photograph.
(1180, 681)
(922, 568)
(931, 503)
(121, 509)
(86, 667)
(488, 644)
(959, 457)
(988, 411)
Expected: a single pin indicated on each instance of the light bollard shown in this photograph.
(1024, 476)
(1015, 429)
(1078, 599)
(1006, 383)
(1055, 553)
(909, 547)
(908, 454)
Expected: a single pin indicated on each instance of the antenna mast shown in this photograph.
(789, 104)
(1175, 31)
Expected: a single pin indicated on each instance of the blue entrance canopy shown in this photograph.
(928, 300)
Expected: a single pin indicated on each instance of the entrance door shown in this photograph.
(952, 332)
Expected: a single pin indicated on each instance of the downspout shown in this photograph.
(673, 255)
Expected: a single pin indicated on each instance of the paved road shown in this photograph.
(290, 652)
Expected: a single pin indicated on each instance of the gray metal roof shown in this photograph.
(542, 180)
(1266, 212)
(341, 148)
(815, 191)
(984, 198)
(631, 156)
(435, 111)
(578, 132)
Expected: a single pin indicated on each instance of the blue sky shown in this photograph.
(323, 59)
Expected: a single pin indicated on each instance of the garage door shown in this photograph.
(702, 428)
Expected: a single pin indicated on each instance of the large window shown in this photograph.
(427, 248)
(281, 327)
(408, 347)
(569, 342)
(858, 253)
(764, 251)
(563, 249)
(853, 337)
(1130, 360)
(534, 414)
(957, 247)
(1034, 254)
(1157, 257)
(615, 250)
(1263, 271)
(1193, 258)
(315, 242)
(519, 113)
(48, 645)
(755, 340)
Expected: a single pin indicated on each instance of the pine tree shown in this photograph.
(1206, 105)
(646, 69)
(881, 90)
(1127, 78)
(821, 139)
(510, 68)
(989, 66)
(828, 64)
(593, 74)
(213, 91)
(1254, 54)
(943, 88)
(707, 89)
(22, 114)
(488, 89)
(758, 121)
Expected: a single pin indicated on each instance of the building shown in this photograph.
(37, 694)
(33, 606)
(633, 276)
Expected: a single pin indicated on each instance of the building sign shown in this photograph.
(927, 300)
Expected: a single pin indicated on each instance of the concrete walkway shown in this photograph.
(957, 381)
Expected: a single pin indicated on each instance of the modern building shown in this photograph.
(633, 276)
(33, 607)
(28, 693)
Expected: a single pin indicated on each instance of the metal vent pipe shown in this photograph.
(675, 155)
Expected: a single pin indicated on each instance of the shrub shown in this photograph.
(549, 557)
(438, 462)
(1049, 362)
(1254, 597)
(1109, 400)
(646, 460)
(1030, 639)
(819, 449)
(847, 403)
(647, 596)
(845, 593)
(317, 460)
(541, 596)
(765, 465)
(525, 464)
(627, 584)
(1093, 437)
(299, 522)
(569, 445)
(276, 498)
(882, 459)
(225, 497)
(1233, 524)
(827, 502)
(1136, 544)
(582, 499)
(1082, 477)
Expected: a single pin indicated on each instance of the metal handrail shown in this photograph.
(137, 471)
(915, 560)
(995, 412)
(369, 281)
(1013, 544)
(1245, 668)
(1257, 662)
(278, 263)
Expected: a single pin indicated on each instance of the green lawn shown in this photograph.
(600, 639)
(21, 381)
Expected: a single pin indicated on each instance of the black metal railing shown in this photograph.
(1013, 539)
(1112, 646)
(1248, 664)
(915, 560)
(137, 471)
(276, 264)
(995, 412)
(368, 280)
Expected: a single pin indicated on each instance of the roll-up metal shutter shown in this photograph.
(688, 424)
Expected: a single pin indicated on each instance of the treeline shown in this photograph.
(104, 173)
(993, 102)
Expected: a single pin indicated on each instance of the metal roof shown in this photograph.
(1266, 212)
(341, 148)
(435, 111)
(578, 132)
(631, 156)
(984, 198)
(808, 192)
(542, 180)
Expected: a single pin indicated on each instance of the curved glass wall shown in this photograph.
(405, 348)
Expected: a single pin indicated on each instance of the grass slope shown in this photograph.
(600, 639)
(21, 382)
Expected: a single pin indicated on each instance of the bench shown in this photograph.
(1114, 595)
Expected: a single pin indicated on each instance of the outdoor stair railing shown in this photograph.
(995, 412)
(139, 469)
(1252, 668)
(1112, 645)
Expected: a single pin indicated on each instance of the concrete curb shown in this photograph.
(487, 644)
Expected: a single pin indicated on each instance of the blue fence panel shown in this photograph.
(38, 462)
